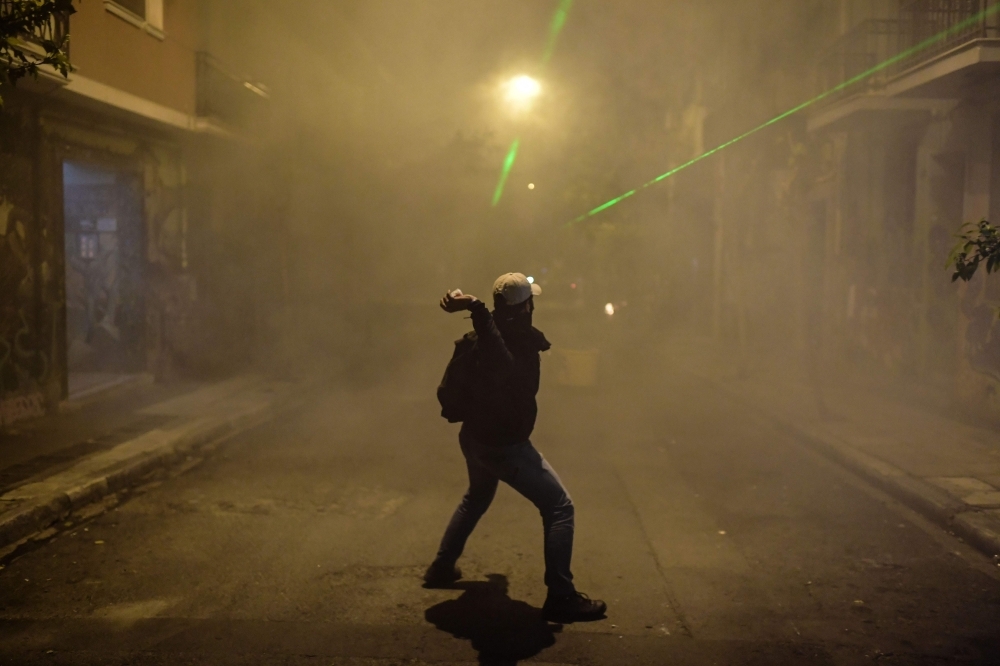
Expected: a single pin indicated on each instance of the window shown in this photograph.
(90, 245)
(137, 7)
(154, 13)
(145, 14)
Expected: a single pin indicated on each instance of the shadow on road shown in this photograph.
(502, 630)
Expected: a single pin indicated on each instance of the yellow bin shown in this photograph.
(576, 367)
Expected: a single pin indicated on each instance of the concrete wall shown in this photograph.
(904, 185)
(32, 376)
(108, 49)
(853, 12)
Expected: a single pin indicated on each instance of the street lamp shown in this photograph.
(521, 91)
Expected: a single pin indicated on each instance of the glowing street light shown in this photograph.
(521, 91)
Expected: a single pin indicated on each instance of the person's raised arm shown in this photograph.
(490, 340)
(456, 301)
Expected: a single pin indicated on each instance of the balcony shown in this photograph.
(967, 55)
(859, 50)
(923, 19)
(55, 31)
(228, 99)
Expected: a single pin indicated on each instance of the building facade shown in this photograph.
(826, 237)
(911, 153)
(105, 180)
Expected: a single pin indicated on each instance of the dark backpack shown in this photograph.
(455, 393)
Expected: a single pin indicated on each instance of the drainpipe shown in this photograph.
(717, 271)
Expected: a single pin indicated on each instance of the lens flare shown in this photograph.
(558, 23)
(508, 164)
(556, 28)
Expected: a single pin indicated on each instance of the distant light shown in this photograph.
(531, 280)
(531, 186)
(610, 309)
(259, 89)
(573, 286)
(522, 90)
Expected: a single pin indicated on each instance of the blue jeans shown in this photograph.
(525, 470)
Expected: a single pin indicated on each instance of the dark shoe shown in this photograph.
(576, 607)
(441, 576)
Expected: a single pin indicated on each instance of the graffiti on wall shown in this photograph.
(21, 407)
(171, 323)
(982, 334)
(30, 270)
(22, 363)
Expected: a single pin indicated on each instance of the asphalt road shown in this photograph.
(714, 539)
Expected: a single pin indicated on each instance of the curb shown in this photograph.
(94, 393)
(169, 447)
(975, 526)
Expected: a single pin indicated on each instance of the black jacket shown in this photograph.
(503, 410)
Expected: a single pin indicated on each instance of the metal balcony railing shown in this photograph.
(923, 19)
(54, 31)
(226, 97)
(875, 41)
(858, 51)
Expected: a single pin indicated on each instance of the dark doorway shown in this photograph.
(104, 232)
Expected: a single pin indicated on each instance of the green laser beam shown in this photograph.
(558, 23)
(508, 164)
(927, 43)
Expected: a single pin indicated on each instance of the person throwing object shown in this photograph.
(490, 386)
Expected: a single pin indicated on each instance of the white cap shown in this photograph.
(515, 288)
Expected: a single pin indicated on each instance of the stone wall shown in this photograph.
(32, 365)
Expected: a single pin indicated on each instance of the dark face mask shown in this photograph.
(514, 321)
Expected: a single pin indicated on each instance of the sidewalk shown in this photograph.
(58, 465)
(944, 468)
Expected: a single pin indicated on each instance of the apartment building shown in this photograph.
(102, 188)
(911, 152)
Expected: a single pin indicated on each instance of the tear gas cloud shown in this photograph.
(392, 123)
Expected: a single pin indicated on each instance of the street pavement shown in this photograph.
(713, 534)
(74, 475)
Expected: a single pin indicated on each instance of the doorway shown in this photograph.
(104, 242)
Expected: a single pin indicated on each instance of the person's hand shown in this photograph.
(456, 301)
